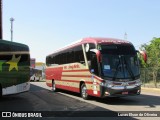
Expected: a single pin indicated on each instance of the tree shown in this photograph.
(153, 53)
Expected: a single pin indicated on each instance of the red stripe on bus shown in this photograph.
(87, 76)
(87, 82)
(76, 70)
(76, 81)
(69, 81)
(74, 89)
(98, 78)
(50, 73)
(90, 92)
(49, 84)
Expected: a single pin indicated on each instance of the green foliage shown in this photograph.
(153, 53)
(142, 62)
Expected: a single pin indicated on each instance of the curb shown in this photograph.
(151, 90)
(154, 89)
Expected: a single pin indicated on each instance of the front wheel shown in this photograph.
(84, 93)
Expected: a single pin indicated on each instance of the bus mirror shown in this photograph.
(144, 55)
(98, 56)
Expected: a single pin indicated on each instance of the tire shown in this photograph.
(54, 86)
(84, 93)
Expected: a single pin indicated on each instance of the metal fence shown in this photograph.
(148, 78)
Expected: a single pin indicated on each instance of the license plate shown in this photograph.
(124, 93)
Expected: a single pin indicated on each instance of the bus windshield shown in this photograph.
(119, 62)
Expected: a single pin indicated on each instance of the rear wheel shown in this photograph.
(84, 93)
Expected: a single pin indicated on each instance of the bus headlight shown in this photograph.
(138, 83)
(102, 83)
(109, 84)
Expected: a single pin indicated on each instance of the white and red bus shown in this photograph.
(101, 67)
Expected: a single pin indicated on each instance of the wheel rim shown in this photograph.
(84, 91)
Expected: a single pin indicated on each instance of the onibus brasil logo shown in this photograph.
(13, 63)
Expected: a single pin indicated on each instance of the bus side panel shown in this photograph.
(96, 94)
(49, 83)
(14, 73)
(70, 78)
(93, 88)
(53, 74)
(14, 67)
(69, 88)
(71, 81)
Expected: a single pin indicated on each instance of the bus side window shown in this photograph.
(94, 64)
(91, 46)
(78, 54)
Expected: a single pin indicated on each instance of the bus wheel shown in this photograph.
(84, 93)
(53, 86)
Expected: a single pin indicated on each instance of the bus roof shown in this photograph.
(104, 40)
(96, 40)
(14, 44)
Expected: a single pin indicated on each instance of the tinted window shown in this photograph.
(118, 49)
(91, 46)
(68, 56)
(78, 54)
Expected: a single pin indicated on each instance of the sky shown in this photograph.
(47, 25)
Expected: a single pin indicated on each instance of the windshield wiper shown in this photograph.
(115, 74)
(129, 69)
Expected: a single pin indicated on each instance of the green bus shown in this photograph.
(14, 68)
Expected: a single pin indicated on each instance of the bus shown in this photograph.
(37, 73)
(14, 68)
(32, 62)
(100, 67)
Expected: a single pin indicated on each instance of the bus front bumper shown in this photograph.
(121, 91)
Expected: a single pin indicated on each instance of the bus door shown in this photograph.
(94, 69)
